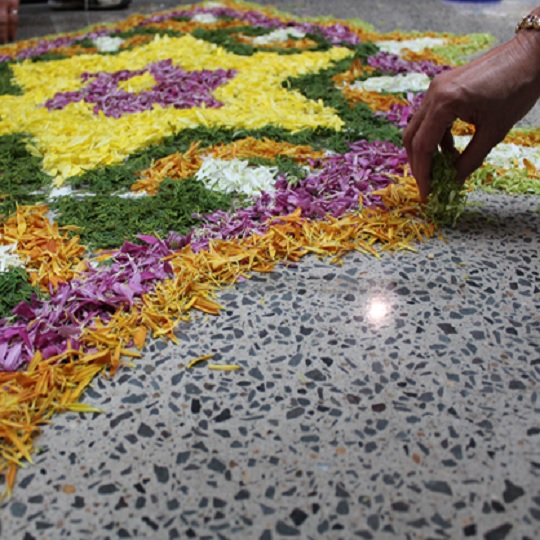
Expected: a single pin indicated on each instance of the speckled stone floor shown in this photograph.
(391, 398)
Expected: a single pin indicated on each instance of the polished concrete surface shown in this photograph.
(391, 398)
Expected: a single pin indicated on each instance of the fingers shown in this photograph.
(13, 19)
(422, 138)
(4, 23)
(430, 127)
(410, 132)
(9, 20)
(12, 26)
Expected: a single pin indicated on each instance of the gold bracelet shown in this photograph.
(529, 22)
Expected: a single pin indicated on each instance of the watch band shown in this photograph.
(529, 22)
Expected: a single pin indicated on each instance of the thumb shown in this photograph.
(473, 156)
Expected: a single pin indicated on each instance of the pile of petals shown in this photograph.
(174, 87)
(341, 184)
(181, 165)
(52, 256)
(9, 257)
(54, 325)
(336, 33)
(400, 113)
(236, 176)
(392, 64)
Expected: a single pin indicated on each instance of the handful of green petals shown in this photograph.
(447, 198)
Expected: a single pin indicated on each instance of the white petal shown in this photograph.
(407, 82)
(415, 45)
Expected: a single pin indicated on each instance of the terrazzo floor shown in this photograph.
(391, 398)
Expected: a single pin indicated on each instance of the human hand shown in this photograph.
(9, 20)
(492, 92)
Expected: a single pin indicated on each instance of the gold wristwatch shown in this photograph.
(529, 22)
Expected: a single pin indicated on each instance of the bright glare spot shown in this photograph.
(377, 310)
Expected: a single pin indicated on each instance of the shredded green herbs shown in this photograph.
(359, 118)
(107, 221)
(224, 37)
(21, 176)
(447, 198)
(8, 85)
(461, 53)
(514, 181)
(14, 289)
(114, 177)
(146, 31)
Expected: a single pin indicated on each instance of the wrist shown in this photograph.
(530, 21)
(529, 26)
(528, 38)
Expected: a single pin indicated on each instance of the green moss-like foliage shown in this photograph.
(49, 56)
(360, 121)
(515, 181)
(14, 289)
(8, 86)
(146, 31)
(107, 221)
(21, 175)
(224, 38)
(114, 177)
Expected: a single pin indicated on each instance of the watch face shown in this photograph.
(530, 22)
